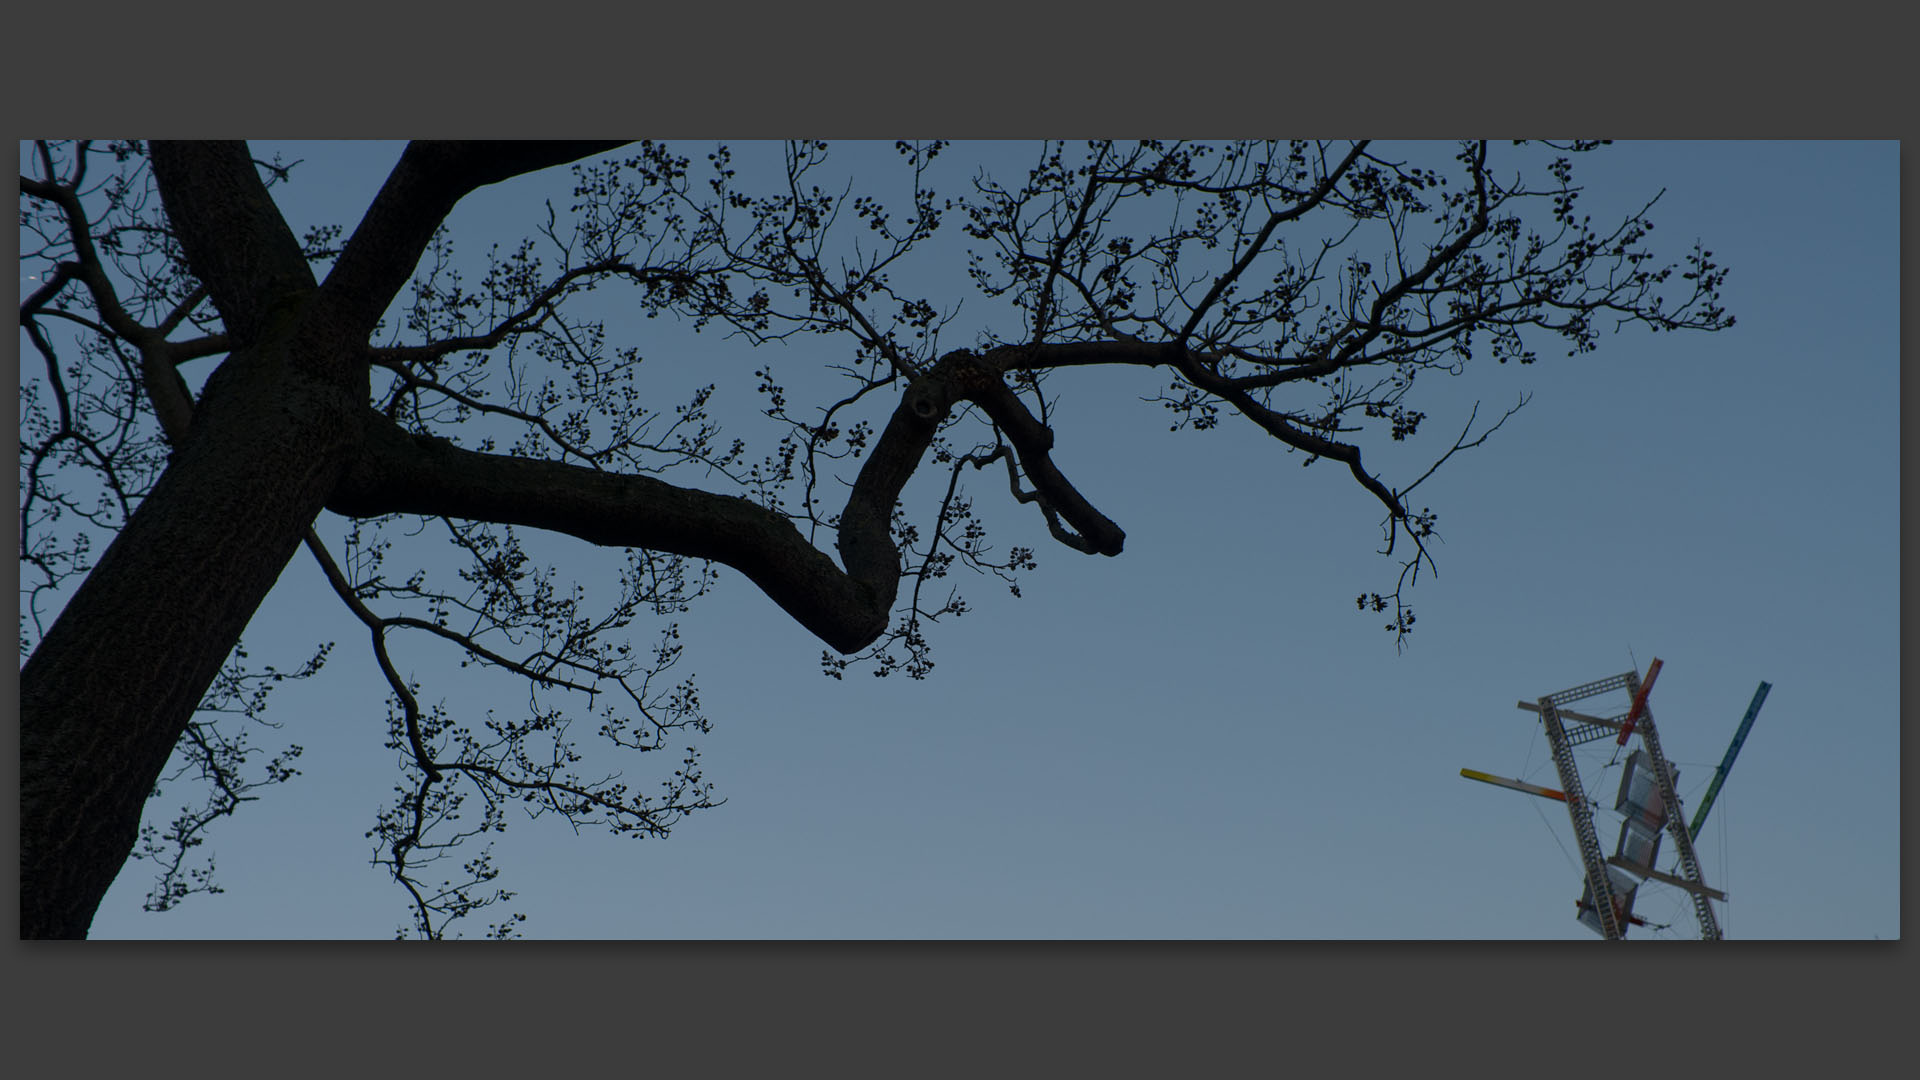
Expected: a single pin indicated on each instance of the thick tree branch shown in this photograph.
(1033, 441)
(234, 236)
(422, 189)
(397, 472)
(962, 375)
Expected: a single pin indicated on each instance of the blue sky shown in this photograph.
(1202, 738)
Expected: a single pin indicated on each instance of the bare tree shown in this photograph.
(1300, 286)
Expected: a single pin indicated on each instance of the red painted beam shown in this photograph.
(1639, 702)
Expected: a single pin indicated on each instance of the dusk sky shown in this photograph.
(1202, 738)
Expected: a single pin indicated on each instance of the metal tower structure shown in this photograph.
(1646, 799)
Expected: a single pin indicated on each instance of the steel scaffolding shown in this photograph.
(1606, 904)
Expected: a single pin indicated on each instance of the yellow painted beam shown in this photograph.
(1517, 785)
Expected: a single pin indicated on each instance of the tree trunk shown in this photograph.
(112, 686)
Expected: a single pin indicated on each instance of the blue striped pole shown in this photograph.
(1720, 774)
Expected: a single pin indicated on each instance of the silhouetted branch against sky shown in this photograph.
(211, 390)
